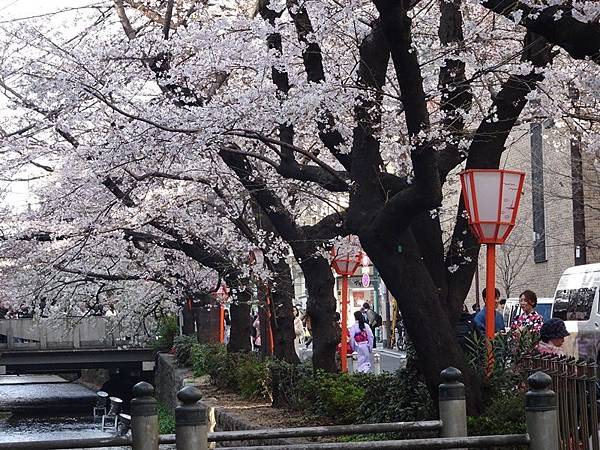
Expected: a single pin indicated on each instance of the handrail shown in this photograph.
(334, 430)
(408, 444)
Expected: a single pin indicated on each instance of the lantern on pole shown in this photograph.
(345, 263)
(491, 199)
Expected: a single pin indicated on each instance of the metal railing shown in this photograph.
(191, 419)
(575, 384)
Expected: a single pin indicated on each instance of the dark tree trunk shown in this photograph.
(424, 316)
(188, 325)
(282, 314)
(321, 309)
(239, 312)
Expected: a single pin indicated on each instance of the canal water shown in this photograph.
(45, 407)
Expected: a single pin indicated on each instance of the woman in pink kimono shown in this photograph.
(361, 340)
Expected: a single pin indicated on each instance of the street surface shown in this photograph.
(391, 360)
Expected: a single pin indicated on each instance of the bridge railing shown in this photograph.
(191, 425)
(60, 333)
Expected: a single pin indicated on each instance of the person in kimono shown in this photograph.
(361, 340)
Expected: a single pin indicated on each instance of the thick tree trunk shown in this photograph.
(321, 308)
(424, 316)
(282, 314)
(239, 337)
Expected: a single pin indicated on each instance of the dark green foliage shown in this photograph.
(396, 397)
(337, 397)
(166, 420)
(166, 332)
(253, 377)
(183, 349)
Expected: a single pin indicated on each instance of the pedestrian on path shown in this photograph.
(480, 316)
(298, 331)
(552, 335)
(529, 320)
(361, 341)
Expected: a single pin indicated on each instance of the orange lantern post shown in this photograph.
(222, 295)
(345, 264)
(492, 198)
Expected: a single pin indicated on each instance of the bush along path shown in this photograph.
(323, 398)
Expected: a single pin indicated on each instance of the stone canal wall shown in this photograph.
(170, 378)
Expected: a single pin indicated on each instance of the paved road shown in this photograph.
(391, 360)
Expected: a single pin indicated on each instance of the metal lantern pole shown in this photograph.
(344, 340)
(490, 292)
(222, 323)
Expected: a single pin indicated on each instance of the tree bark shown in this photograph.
(321, 307)
(282, 314)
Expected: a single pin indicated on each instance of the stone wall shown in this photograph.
(169, 378)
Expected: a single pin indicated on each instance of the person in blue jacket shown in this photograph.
(480, 316)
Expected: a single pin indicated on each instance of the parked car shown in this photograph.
(576, 302)
(512, 309)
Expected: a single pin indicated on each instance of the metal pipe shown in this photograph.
(344, 339)
(508, 440)
(117, 441)
(335, 430)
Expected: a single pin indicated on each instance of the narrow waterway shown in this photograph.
(40, 407)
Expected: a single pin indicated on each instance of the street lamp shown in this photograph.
(345, 263)
(492, 199)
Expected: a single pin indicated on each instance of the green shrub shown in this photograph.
(337, 397)
(205, 358)
(183, 349)
(253, 377)
(166, 420)
(288, 382)
(166, 332)
(395, 397)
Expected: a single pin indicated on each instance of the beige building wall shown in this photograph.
(516, 269)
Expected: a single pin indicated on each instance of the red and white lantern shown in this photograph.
(492, 200)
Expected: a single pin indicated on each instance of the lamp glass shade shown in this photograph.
(492, 200)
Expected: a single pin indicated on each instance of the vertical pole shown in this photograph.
(377, 363)
(490, 304)
(452, 407)
(190, 421)
(344, 340)
(540, 413)
(144, 418)
(490, 292)
(269, 324)
(222, 323)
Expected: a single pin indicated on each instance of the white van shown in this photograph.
(576, 302)
(512, 309)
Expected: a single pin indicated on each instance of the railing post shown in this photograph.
(540, 412)
(452, 404)
(190, 421)
(144, 418)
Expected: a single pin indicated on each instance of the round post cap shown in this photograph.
(189, 395)
(540, 397)
(451, 375)
(451, 388)
(143, 389)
